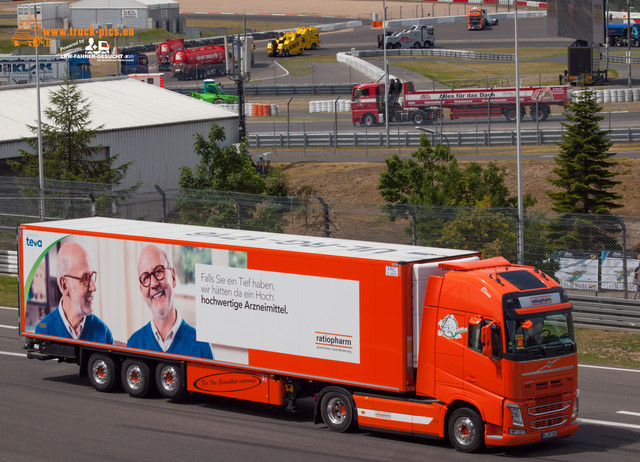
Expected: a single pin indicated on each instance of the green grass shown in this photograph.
(594, 346)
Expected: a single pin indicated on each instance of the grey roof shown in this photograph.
(108, 4)
(115, 103)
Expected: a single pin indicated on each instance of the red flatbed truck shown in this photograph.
(418, 340)
(406, 104)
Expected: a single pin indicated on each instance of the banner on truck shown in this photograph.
(187, 301)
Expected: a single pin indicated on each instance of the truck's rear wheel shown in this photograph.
(136, 378)
(103, 372)
(417, 45)
(510, 114)
(542, 113)
(337, 411)
(419, 118)
(466, 430)
(368, 120)
(171, 381)
(313, 46)
(428, 44)
(397, 46)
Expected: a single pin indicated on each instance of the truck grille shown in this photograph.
(549, 423)
(549, 408)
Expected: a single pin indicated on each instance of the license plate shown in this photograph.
(549, 434)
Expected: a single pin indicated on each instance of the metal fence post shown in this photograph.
(623, 228)
(235, 196)
(414, 224)
(326, 220)
(164, 202)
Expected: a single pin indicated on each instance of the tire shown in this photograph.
(389, 46)
(419, 118)
(171, 381)
(337, 410)
(427, 44)
(368, 120)
(510, 114)
(314, 46)
(543, 114)
(136, 378)
(417, 45)
(103, 372)
(397, 46)
(218, 101)
(466, 430)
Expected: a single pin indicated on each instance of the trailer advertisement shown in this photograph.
(221, 305)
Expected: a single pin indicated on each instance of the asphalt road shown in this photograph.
(50, 414)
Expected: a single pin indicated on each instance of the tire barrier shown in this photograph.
(342, 105)
(253, 109)
(613, 95)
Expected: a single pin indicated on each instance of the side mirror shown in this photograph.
(485, 338)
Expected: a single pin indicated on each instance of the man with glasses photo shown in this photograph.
(73, 317)
(167, 331)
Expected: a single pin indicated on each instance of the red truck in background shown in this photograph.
(165, 52)
(406, 339)
(406, 104)
(200, 62)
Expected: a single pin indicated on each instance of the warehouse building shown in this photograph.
(151, 126)
(133, 14)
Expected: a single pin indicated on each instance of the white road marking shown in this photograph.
(9, 353)
(610, 424)
(608, 368)
(8, 308)
(635, 414)
(8, 327)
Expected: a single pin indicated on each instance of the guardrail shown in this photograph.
(606, 313)
(8, 263)
(461, 54)
(366, 138)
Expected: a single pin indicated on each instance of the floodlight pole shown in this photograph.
(386, 70)
(520, 224)
(629, 40)
(40, 160)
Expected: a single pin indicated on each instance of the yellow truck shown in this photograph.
(289, 43)
(310, 37)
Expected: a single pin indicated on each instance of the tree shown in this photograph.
(585, 180)
(225, 188)
(583, 165)
(67, 152)
(68, 155)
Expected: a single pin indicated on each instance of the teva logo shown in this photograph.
(33, 243)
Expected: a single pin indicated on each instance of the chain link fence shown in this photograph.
(588, 254)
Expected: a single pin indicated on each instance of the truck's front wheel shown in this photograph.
(136, 378)
(368, 120)
(103, 372)
(171, 381)
(337, 411)
(419, 118)
(466, 430)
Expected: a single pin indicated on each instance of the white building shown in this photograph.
(151, 126)
(133, 14)
(47, 15)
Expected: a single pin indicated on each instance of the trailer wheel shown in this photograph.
(136, 378)
(466, 430)
(510, 114)
(541, 114)
(337, 411)
(103, 372)
(171, 381)
(368, 120)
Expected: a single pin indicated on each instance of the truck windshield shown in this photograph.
(542, 336)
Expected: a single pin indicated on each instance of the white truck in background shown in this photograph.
(416, 36)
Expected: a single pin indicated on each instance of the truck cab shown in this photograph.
(213, 93)
(310, 37)
(475, 18)
(508, 353)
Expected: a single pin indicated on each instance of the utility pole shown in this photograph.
(238, 65)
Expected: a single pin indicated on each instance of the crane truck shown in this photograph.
(417, 36)
(406, 339)
(406, 104)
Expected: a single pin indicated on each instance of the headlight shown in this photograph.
(516, 415)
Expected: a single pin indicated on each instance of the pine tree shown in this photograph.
(583, 175)
(583, 166)
(67, 152)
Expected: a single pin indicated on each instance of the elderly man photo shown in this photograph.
(167, 331)
(73, 317)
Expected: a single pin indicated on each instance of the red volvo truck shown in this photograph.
(406, 104)
(418, 340)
